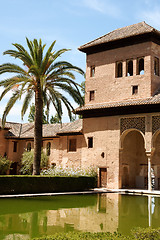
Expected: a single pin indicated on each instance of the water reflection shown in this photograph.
(28, 218)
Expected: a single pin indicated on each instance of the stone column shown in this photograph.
(120, 167)
(148, 153)
(149, 157)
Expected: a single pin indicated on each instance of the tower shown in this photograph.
(122, 105)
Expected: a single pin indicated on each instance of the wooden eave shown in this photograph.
(141, 38)
(120, 110)
(70, 133)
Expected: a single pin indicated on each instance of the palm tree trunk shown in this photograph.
(37, 130)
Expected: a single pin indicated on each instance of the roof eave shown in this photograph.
(121, 42)
(119, 110)
(70, 133)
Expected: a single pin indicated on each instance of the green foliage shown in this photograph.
(44, 74)
(4, 165)
(85, 236)
(69, 172)
(44, 118)
(55, 119)
(43, 78)
(73, 117)
(31, 113)
(146, 233)
(137, 234)
(27, 162)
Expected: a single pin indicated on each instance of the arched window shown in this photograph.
(29, 147)
(92, 71)
(48, 149)
(140, 66)
(156, 66)
(119, 69)
(129, 68)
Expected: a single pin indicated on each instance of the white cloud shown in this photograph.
(152, 17)
(96, 5)
(105, 7)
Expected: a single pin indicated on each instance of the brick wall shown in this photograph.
(107, 86)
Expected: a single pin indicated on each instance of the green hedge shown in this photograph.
(146, 233)
(44, 184)
(85, 236)
(137, 234)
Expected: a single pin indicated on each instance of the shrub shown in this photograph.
(146, 233)
(85, 236)
(27, 162)
(4, 165)
(69, 172)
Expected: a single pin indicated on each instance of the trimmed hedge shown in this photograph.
(137, 234)
(44, 184)
(85, 236)
(146, 233)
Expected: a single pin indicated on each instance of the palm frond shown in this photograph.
(9, 105)
(11, 68)
(46, 63)
(26, 102)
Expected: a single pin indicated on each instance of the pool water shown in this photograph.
(25, 218)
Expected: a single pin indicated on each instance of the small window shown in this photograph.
(129, 65)
(134, 90)
(140, 66)
(92, 71)
(29, 147)
(119, 71)
(91, 95)
(90, 142)
(14, 146)
(72, 145)
(156, 66)
(48, 149)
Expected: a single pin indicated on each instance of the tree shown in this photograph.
(32, 115)
(55, 119)
(45, 118)
(83, 94)
(27, 162)
(4, 165)
(44, 79)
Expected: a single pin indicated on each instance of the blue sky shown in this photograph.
(71, 23)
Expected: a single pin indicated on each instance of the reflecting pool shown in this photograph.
(26, 218)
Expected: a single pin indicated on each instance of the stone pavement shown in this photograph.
(92, 191)
(129, 191)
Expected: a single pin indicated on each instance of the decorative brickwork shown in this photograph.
(135, 122)
(155, 123)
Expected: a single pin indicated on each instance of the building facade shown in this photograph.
(119, 134)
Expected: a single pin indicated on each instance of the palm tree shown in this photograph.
(42, 78)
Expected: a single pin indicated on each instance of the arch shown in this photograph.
(129, 68)
(140, 66)
(119, 69)
(48, 148)
(28, 147)
(126, 132)
(156, 66)
(133, 159)
(155, 135)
